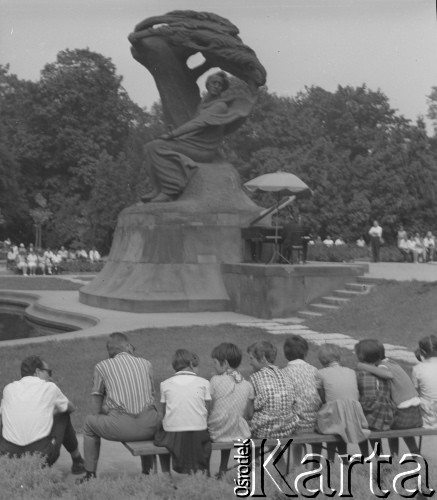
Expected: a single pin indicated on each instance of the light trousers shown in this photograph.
(118, 426)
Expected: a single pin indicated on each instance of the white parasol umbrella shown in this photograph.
(279, 182)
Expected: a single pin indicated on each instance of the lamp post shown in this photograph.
(40, 216)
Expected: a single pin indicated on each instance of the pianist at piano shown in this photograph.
(295, 237)
(291, 238)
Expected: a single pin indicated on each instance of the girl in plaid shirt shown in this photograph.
(303, 378)
(375, 397)
(407, 412)
(274, 405)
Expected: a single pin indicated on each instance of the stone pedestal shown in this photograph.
(167, 257)
(279, 290)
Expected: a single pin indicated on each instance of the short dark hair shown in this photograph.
(263, 348)
(428, 346)
(227, 352)
(328, 353)
(381, 349)
(369, 351)
(295, 347)
(117, 343)
(183, 358)
(30, 365)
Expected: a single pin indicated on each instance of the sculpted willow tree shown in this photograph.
(167, 255)
(163, 44)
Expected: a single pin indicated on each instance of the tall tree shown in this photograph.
(14, 95)
(76, 137)
(79, 112)
(432, 108)
(361, 160)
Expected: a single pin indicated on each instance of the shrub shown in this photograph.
(350, 253)
(81, 266)
(28, 478)
(71, 267)
(390, 254)
(342, 253)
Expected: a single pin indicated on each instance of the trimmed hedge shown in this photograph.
(72, 267)
(81, 266)
(350, 253)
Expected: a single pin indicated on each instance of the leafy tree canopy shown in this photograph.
(361, 160)
(76, 138)
(61, 128)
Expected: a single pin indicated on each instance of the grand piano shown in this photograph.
(255, 238)
(257, 235)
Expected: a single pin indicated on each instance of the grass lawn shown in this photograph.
(37, 283)
(73, 360)
(26, 479)
(394, 312)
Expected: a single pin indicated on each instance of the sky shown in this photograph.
(389, 45)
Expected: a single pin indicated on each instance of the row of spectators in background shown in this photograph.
(31, 261)
(413, 247)
(416, 248)
(329, 242)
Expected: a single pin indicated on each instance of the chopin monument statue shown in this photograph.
(167, 250)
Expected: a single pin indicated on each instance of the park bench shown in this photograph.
(147, 448)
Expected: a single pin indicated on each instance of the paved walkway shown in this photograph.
(108, 321)
(297, 326)
(115, 459)
(403, 271)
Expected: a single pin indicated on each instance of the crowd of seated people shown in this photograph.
(415, 247)
(275, 402)
(31, 261)
(329, 242)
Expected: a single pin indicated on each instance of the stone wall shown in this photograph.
(279, 291)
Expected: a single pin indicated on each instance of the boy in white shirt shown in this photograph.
(186, 401)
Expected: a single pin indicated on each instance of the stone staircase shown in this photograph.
(337, 298)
